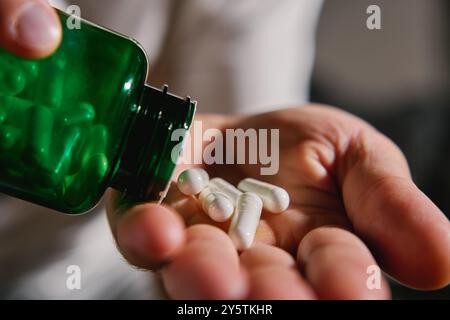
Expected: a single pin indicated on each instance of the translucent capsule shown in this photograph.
(14, 111)
(39, 136)
(81, 114)
(31, 69)
(79, 185)
(192, 181)
(275, 199)
(216, 205)
(50, 89)
(219, 184)
(13, 107)
(12, 78)
(3, 112)
(8, 137)
(55, 93)
(18, 117)
(245, 220)
(96, 142)
(62, 157)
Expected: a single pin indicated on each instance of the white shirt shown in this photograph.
(231, 56)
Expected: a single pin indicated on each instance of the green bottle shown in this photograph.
(83, 120)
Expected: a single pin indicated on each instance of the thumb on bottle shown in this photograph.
(29, 28)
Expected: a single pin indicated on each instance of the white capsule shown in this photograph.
(275, 199)
(192, 181)
(245, 220)
(218, 184)
(216, 205)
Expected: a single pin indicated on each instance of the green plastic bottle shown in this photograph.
(83, 120)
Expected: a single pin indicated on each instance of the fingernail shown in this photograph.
(35, 27)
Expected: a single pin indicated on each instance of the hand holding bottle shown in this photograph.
(29, 28)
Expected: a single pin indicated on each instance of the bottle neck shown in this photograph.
(151, 150)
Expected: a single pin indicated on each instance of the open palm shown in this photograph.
(353, 205)
(346, 181)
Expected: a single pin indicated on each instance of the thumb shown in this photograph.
(29, 28)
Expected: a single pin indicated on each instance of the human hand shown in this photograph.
(29, 28)
(352, 199)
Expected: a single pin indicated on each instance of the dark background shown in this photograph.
(396, 78)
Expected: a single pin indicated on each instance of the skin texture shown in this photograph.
(353, 205)
(29, 28)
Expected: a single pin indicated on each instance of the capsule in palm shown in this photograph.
(216, 204)
(275, 199)
(245, 220)
(192, 181)
(221, 185)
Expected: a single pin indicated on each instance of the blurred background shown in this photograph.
(396, 78)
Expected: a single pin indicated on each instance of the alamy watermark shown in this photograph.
(73, 21)
(373, 21)
(73, 281)
(373, 281)
(231, 146)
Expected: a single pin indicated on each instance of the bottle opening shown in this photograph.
(153, 145)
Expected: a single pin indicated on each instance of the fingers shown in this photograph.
(200, 261)
(408, 234)
(336, 262)
(273, 275)
(148, 235)
(207, 268)
(289, 227)
(29, 28)
(189, 208)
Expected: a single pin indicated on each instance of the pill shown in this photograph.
(81, 114)
(31, 69)
(219, 184)
(11, 103)
(8, 137)
(3, 113)
(39, 135)
(52, 173)
(245, 220)
(98, 167)
(18, 112)
(14, 110)
(192, 181)
(50, 89)
(93, 142)
(12, 78)
(275, 199)
(96, 142)
(216, 205)
(54, 95)
(64, 153)
(78, 186)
